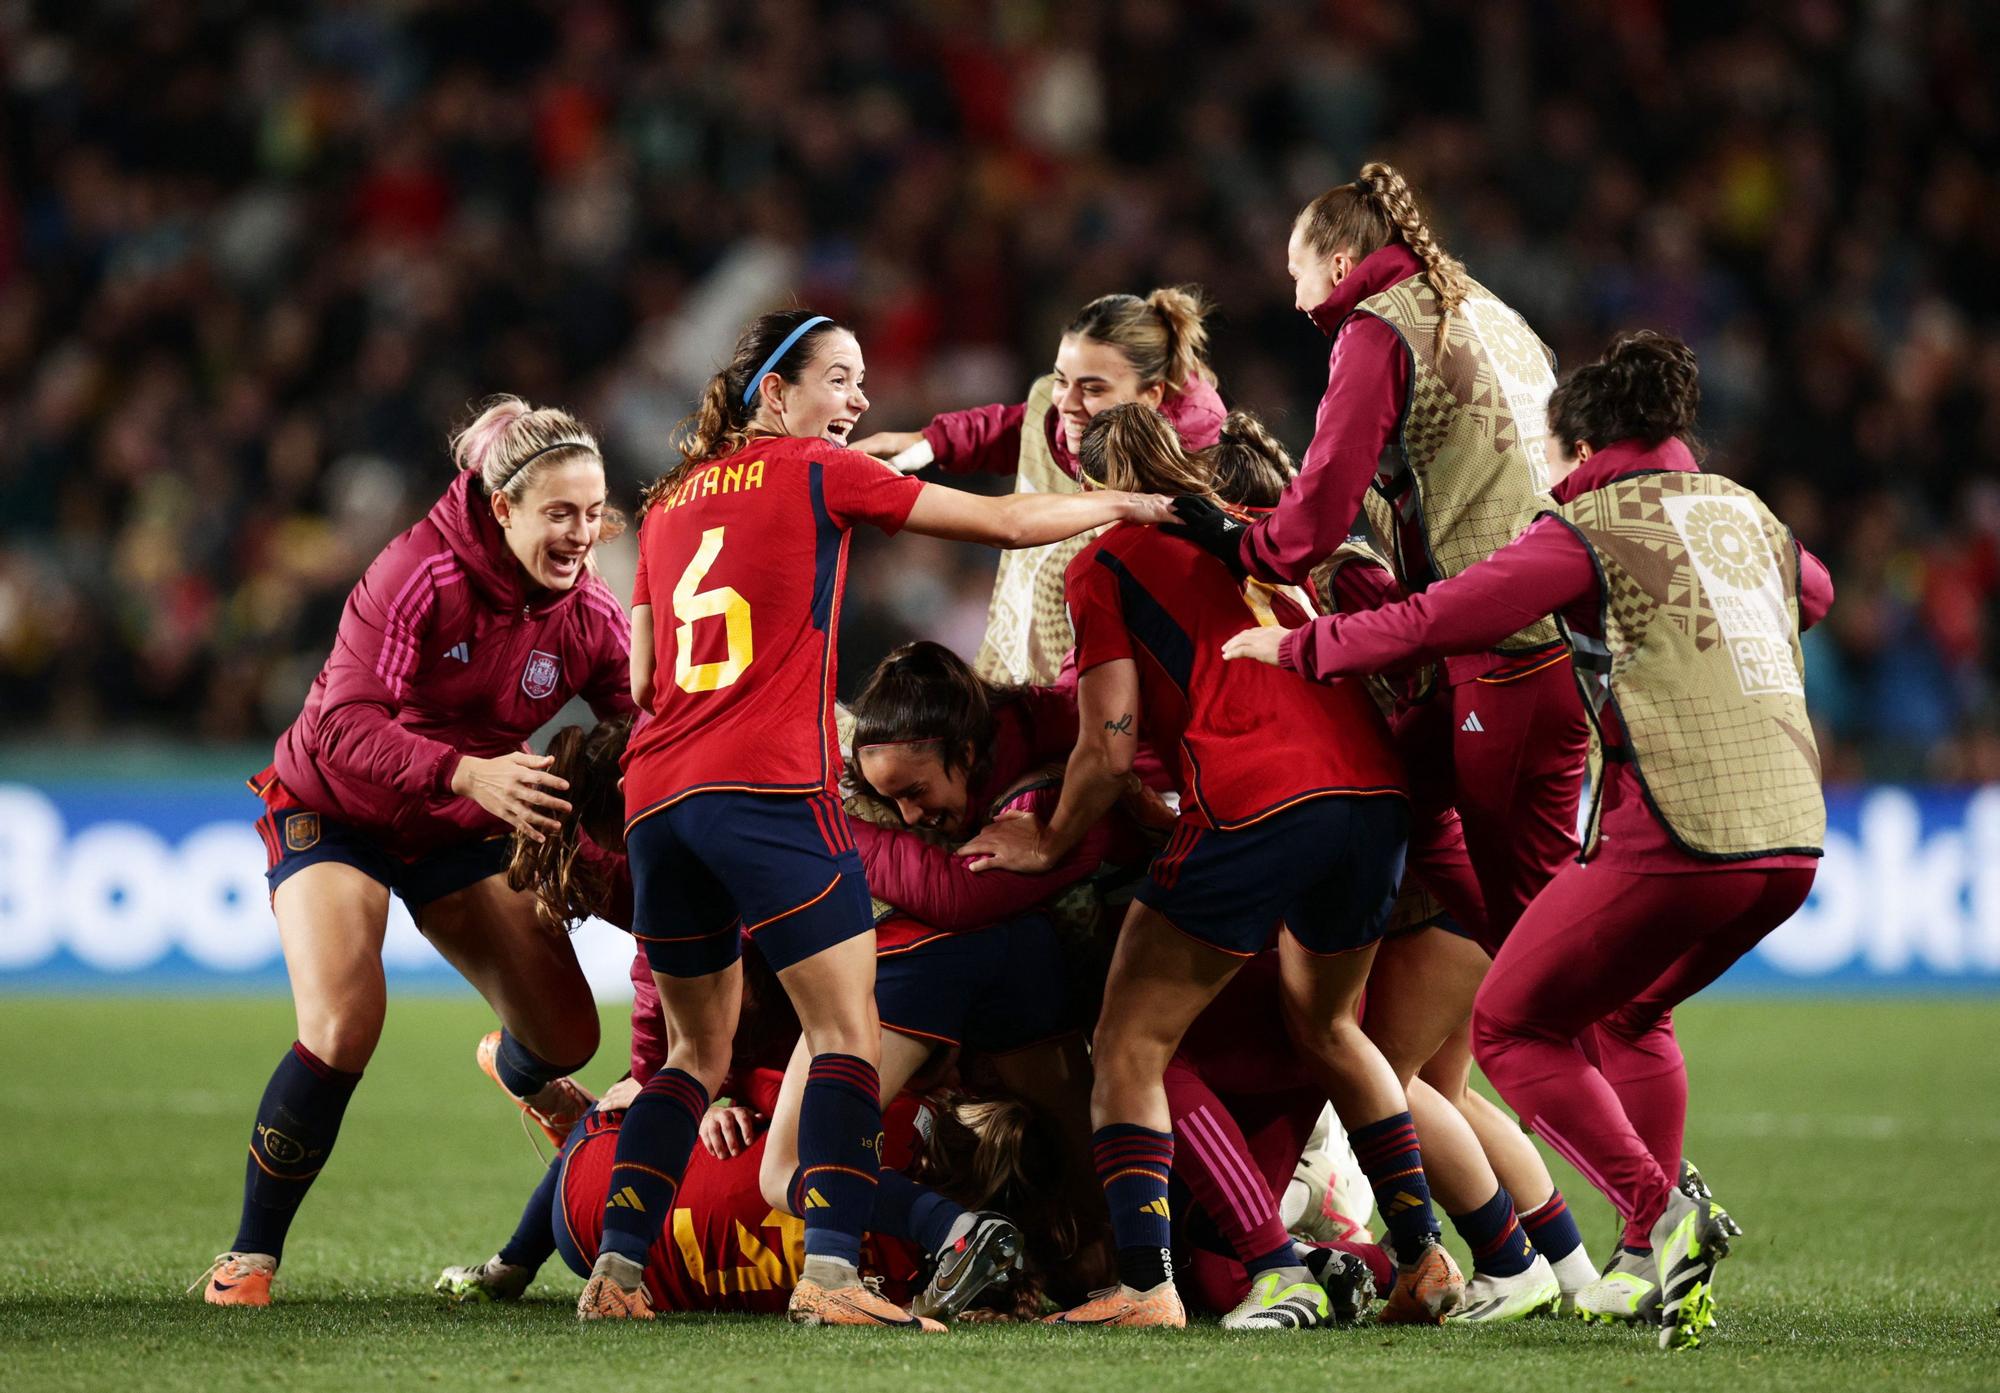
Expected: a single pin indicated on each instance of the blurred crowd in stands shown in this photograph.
(257, 258)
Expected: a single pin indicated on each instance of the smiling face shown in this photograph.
(1092, 376)
(826, 401)
(1314, 275)
(556, 522)
(914, 778)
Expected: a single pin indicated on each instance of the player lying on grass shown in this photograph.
(1681, 598)
(403, 775)
(1292, 814)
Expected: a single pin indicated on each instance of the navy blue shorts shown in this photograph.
(1327, 868)
(295, 838)
(716, 868)
(992, 990)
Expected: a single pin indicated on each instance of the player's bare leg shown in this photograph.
(331, 921)
(533, 982)
(1321, 996)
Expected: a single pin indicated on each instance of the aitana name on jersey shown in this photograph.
(717, 478)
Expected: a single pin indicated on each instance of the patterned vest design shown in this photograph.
(1469, 468)
(1027, 626)
(1700, 663)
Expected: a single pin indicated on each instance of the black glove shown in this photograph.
(1211, 529)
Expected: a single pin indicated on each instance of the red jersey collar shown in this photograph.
(1622, 457)
(1375, 273)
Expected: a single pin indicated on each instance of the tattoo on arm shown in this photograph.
(1121, 726)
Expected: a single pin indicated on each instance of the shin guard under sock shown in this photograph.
(1134, 1164)
(654, 1144)
(297, 1122)
(1387, 1151)
(840, 1155)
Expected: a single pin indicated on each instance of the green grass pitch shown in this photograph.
(1857, 1142)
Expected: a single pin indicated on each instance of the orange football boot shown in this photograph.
(555, 1125)
(813, 1304)
(1121, 1305)
(604, 1299)
(1426, 1291)
(238, 1279)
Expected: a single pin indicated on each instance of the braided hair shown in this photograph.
(1378, 208)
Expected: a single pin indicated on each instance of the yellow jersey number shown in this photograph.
(691, 603)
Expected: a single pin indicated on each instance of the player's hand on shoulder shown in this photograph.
(516, 788)
(727, 1129)
(1260, 643)
(1151, 509)
(887, 444)
(1011, 842)
(1200, 521)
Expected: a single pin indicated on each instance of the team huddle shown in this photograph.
(1038, 985)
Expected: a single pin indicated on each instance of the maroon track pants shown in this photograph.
(1509, 755)
(1574, 1017)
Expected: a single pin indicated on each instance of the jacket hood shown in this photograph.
(1373, 274)
(467, 524)
(1196, 413)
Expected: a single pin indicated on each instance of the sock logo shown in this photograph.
(1167, 1260)
(628, 1198)
(1400, 1201)
(875, 1144)
(279, 1147)
(1158, 1207)
(1472, 722)
(815, 1200)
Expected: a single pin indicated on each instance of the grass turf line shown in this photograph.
(1857, 1142)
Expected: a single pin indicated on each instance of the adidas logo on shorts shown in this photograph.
(1472, 722)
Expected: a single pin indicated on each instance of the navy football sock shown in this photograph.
(916, 1213)
(1134, 1164)
(654, 1144)
(1500, 1246)
(297, 1121)
(524, 1072)
(534, 1237)
(1552, 1228)
(1285, 1256)
(1387, 1151)
(840, 1155)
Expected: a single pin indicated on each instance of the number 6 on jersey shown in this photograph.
(692, 603)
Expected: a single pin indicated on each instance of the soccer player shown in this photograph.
(1681, 598)
(404, 774)
(1291, 811)
(733, 824)
(1435, 417)
(1118, 349)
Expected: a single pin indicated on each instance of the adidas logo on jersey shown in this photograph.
(1472, 722)
(460, 651)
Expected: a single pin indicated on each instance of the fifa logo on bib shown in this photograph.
(1740, 579)
(538, 678)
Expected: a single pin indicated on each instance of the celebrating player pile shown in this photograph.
(869, 963)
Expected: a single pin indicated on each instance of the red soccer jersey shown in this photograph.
(1243, 739)
(723, 1247)
(743, 566)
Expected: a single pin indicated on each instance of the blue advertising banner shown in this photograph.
(158, 885)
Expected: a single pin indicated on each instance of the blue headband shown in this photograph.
(778, 353)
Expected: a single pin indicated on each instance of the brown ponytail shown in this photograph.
(1378, 208)
(1247, 466)
(568, 886)
(1135, 448)
(720, 422)
(1164, 336)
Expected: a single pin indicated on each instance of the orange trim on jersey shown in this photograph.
(1338, 952)
(1226, 952)
(1133, 1170)
(665, 803)
(1548, 662)
(1274, 810)
(804, 1175)
(269, 784)
(752, 928)
(921, 1034)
